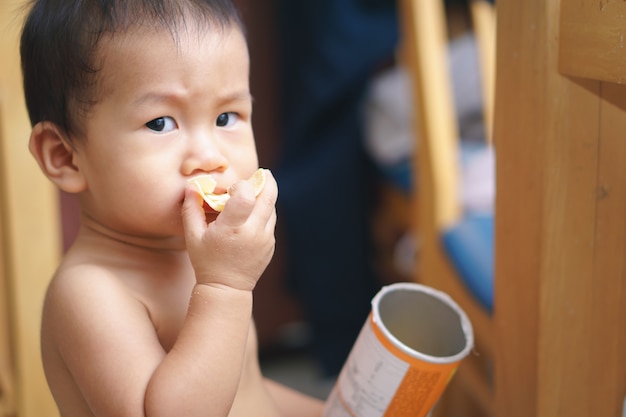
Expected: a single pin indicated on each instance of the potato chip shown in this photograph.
(206, 185)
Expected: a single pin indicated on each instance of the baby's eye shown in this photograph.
(162, 124)
(226, 119)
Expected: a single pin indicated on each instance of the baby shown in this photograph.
(150, 311)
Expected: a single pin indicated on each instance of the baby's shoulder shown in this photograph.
(81, 287)
(73, 274)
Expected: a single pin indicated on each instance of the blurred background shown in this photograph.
(333, 120)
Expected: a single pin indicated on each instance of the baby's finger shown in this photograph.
(239, 206)
(270, 225)
(194, 220)
(267, 198)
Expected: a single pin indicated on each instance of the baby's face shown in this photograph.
(169, 110)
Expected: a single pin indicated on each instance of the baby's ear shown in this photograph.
(56, 157)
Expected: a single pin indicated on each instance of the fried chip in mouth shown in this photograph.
(206, 186)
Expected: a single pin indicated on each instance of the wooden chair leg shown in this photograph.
(7, 389)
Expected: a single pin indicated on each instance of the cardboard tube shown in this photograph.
(406, 353)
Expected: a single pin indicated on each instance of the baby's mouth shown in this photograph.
(207, 208)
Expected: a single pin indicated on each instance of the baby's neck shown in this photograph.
(129, 257)
(92, 233)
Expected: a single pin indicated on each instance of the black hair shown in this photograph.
(60, 39)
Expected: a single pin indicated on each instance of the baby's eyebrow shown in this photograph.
(236, 96)
(154, 97)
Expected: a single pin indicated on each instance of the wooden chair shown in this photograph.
(7, 389)
(436, 175)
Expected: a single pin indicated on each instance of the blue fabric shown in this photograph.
(469, 244)
(399, 174)
(329, 50)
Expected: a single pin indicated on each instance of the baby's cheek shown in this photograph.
(154, 212)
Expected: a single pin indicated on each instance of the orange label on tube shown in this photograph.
(384, 378)
(422, 385)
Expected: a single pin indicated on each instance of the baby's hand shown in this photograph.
(235, 249)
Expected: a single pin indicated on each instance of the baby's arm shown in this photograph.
(201, 373)
(292, 403)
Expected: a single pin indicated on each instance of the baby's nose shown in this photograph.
(204, 155)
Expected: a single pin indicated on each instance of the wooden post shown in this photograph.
(560, 225)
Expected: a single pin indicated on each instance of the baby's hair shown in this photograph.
(60, 40)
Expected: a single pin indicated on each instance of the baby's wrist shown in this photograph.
(226, 280)
(220, 299)
(220, 290)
